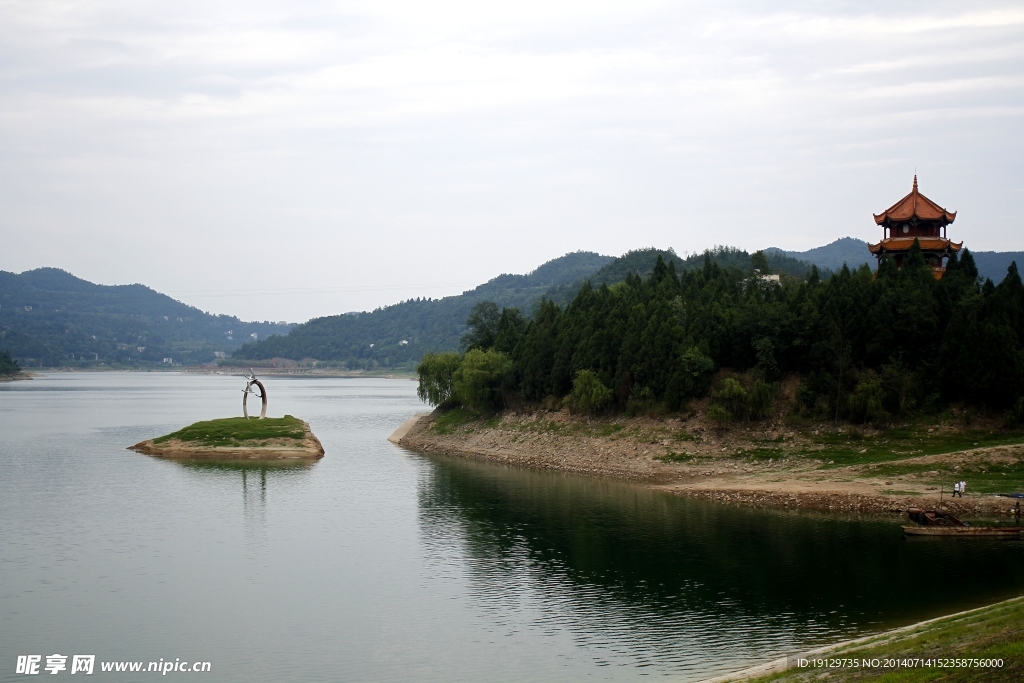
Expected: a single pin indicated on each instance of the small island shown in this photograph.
(238, 438)
(9, 368)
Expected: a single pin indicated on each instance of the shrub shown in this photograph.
(759, 399)
(718, 413)
(643, 402)
(741, 402)
(816, 394)
(733, 397)
(867, 403)
(1015, 415)
(437, 377)
(696, 371)
(481, 379)
(589, 395)
(901, 387)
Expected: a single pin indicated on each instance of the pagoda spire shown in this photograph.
(915, 183)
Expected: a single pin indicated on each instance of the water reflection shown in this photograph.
(251, 477)
(643, 578)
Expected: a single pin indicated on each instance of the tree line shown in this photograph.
(8, 366)
(866, 345)
(398, 336)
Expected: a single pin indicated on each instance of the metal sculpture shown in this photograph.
(251, 381)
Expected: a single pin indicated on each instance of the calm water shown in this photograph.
(377, 564)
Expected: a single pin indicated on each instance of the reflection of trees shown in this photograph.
(614, 561)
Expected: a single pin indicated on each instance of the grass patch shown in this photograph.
(608, 429)
(759, 453)
(982, 476)
(996, 632)
(452, 420)
(234, 431)
(672, 456)
(572, 428)
(851, 447)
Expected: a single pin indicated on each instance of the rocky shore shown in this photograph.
(689, 457)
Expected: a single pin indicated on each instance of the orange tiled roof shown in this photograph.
(916, 205)
(904, 243)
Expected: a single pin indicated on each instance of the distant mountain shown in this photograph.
(854, 252)
(400, 335)
(993, 264)
(50, 318)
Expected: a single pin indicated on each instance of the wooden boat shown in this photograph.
(934, 518)
(965, 531)
(943, 523)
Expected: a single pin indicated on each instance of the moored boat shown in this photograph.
(944, 523)
(967, 531)
(940, 518)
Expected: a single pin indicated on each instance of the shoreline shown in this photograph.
(712, 467)
(787, 663)
(16, 377)
(295, 372)
(218, 370)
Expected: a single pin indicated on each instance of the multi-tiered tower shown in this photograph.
(916, 217)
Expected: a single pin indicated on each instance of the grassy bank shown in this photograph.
(236, 431)
(990, 633)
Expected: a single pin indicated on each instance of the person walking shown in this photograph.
(963, 487)
(956, 488)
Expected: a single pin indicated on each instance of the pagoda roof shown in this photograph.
(915, 205)
(904, 244)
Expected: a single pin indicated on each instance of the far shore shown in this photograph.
(692, 458)
(223, 370)
(297, 372)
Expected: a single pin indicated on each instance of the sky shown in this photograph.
(287, 160)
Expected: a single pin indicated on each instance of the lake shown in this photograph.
(378, 564)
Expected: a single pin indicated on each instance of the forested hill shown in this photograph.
(50, 318)
(401, 334)
(866, 346)
(852, 252)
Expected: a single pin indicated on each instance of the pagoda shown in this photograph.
(915, 217)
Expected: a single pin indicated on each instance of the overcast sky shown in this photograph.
(285, 160)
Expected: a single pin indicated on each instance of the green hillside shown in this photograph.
(852, 252)
(50, 318)
(399, 335)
